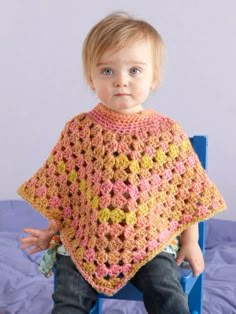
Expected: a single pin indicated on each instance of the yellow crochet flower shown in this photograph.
(70, 232)
(82, 185)
(173, 151)
(109, 161)
(176, 215)
(117, 215)
(95, 202)
(162, 196)
(89, 267)
(102, 282)
(61, 167)
(42, 202)
(114, 281)
(160, 157)
(146, 162)
(151, 203)
(72, 176)
(122, 162)
(143, 209)
(104, 215)
(189, 172)
(88, 194)
(172, 189)
(152, 232)
(130, 218)
(134, 166)
(185, 145)
(50, 160)
(75, 244)
(80, 253)
(206, 201)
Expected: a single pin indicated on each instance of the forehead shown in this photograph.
(139, 51)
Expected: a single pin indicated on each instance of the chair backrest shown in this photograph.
(199, 143)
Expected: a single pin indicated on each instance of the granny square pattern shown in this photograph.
(121, 187)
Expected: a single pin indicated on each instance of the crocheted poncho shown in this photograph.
(121, 187)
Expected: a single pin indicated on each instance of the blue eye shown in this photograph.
(107, 71)
(135, 70)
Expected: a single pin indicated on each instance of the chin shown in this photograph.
(125, 106)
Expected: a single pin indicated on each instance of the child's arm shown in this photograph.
(39, 239)
(190, 250)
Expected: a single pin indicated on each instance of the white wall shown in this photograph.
(41, 84)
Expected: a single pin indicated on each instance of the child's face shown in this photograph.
(122, 79)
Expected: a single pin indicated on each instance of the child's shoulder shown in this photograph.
(168, 122)
(79, 117)
(75, 120)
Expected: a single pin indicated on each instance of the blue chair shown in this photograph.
(192, 286)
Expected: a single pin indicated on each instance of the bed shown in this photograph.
(23, 290)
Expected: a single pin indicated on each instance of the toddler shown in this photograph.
(122, 189)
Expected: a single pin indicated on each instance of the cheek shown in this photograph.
(143, 91)
(103, 91)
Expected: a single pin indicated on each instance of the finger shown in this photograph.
(52, 223)
(29, 240)
(27, 245)
(53, 226)
(35, 250)
(34, 232)
(180, 259)
(197, 271)
(197, 268)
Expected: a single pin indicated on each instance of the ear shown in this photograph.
(91, 85)
(154, 82)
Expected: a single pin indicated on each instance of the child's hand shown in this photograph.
(192, 253)
(39, 239)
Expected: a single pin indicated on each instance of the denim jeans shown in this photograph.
(158, 280)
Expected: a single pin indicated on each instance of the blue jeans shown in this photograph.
(158, 280)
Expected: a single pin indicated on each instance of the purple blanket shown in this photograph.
(23, 290)
(220, 279)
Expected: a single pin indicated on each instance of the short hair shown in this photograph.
(116, 31)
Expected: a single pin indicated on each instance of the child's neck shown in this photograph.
(133, 110)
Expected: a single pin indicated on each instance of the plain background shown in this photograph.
(42, 86)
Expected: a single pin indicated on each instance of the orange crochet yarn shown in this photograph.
(121, 187)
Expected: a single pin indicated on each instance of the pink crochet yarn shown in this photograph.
(121, 187)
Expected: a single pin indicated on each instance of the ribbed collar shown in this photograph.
(120, 121)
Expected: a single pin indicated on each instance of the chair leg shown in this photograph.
(97, 309)
(195, 297)
(94, 309)
(100, 305)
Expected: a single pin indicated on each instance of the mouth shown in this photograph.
(122, 94)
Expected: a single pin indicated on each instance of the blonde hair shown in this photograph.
(116, 31)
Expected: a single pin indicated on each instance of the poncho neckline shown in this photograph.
(122, 122)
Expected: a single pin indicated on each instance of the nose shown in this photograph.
(120, 80)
